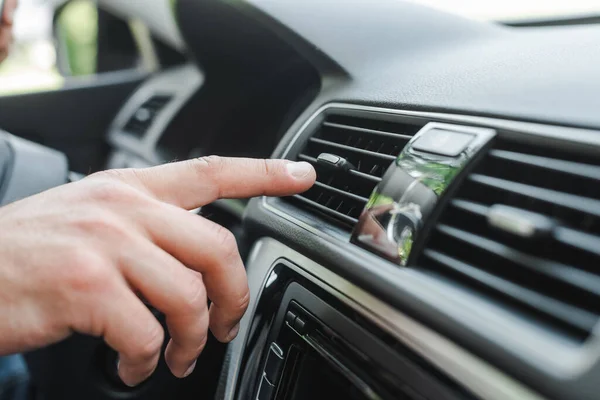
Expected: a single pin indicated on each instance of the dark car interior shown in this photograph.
(450, 248)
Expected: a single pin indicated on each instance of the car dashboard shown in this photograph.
(449, 248)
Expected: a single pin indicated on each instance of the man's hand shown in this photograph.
(6, 24)
(77, 259)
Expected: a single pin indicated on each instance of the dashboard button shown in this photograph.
(299, 325)
(329, 158)
(274, 363)
(266, 390)
(290, 318)
(443, 142)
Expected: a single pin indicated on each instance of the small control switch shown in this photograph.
(335, 162)
(290, 317)
(274, 363)
(300, 325)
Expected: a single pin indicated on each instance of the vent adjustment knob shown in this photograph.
(335, 162)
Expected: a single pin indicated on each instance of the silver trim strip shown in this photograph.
(475, 374)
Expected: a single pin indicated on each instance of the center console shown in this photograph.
(310, 334)
(318, 348)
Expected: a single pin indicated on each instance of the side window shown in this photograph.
(54, 45)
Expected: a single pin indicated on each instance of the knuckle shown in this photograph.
(196, 301)
(210, 163)
(227, 242)
(269, 167)
(208, 169)
(149, 346)
(111, 191)
(109, 175)
(86, 272)
(103, 225)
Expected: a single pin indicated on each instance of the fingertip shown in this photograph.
(302, 170)
(223, 331)
(170, 360)
(225, 335)
(132, 377)
(179, 369)
(233, 332)
(303, 175)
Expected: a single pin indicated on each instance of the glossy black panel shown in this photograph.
(373, 357)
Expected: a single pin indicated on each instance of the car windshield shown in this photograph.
(514, 10)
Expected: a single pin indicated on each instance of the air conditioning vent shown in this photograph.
(142, 119)
(370, 145)
(550, 277)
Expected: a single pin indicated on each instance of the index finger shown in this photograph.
(193, 183)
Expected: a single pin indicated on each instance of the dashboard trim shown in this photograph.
(475, 374)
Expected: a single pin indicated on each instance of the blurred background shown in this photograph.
(32, 63)
(57, 40)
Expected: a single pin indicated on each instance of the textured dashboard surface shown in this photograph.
(403, 54)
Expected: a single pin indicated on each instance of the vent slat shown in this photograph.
(564, 273)
(471, 207)
(573, 316)
(579, 240)
(370, 144)
(570, 237)
(359, 174)
(558, 262)
(394, 136)
(326, 210)
(569, 167)
(573, 202)
(384, 157)
(309, 159)
(342, 193)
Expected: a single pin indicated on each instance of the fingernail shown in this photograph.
(124, 376)
(189, 370)
(299, 169)
(233, 332)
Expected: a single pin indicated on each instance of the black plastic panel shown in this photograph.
(400, 371)
(73, 119)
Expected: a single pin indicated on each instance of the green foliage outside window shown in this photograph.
(77, 26)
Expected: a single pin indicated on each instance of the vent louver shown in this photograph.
(553, 281)
(142, 119)
(370, 145)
